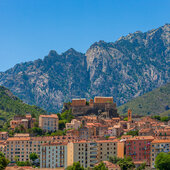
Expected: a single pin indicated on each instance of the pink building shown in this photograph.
(138, 148)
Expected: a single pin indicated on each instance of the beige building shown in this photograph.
(88, 153)
(53, 155)
(48, 122)
(75, 124)
(21, 147)
(158, 146)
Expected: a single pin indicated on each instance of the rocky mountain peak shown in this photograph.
(127, 68)
(52, 53)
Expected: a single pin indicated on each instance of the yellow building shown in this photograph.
(88, 153)
(48, 122)
(158, 146)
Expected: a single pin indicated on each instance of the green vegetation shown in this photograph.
(22, 163)
(36, 131)
(133, 133)
(162, 161)
(100, 166)
(125, 119)
(3, 161)
(163, 119)
(114, 159)
(64, 118)
(124, 163)
(33, 156)
(142, 166)
(11, 105)
(75, 166)
(166, 113)
(152, 103)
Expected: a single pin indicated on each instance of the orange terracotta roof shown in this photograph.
(49, 116)
(81, 141)
(90, 117)
(108, 120)
(141, 138)
(55, 143)
(161, 141)
(18, 139)
(144, 130)
(90, 124)
(112, 137)
(116, 118)
(3, 133)
(107, 141)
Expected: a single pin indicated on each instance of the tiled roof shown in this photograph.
(55, 143)
(145, 130)
(161, 141)
(2, 133)
(49, 116)
(141, 138)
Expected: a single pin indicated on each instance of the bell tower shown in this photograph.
(129, 115)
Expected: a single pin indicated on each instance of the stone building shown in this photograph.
(26, 121)
(100, 106)
(48, 122)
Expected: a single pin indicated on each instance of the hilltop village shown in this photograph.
(95, 133)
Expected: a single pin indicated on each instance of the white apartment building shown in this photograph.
(53, 155)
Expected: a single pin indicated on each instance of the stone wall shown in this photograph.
(78, 102)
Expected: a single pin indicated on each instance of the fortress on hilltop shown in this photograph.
(100, 106)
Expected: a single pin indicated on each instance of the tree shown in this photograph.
(3, 161)
(114, 159)
(33, 156)
(22, 163)
(162, 161)
(126, 163)
(165, 119)
(75, 166)
(36, 131)
(133, 133)
(142, 166)
(100, 166)
(16, 158)
(61, 124)
(125, 119)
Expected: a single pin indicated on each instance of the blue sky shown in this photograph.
(30, 28)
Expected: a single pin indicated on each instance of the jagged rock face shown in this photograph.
(49, 82)
(131, 66)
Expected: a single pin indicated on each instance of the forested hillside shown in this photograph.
(11, 105)
(153, 103)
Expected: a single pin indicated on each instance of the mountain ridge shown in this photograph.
(155, 102)
(124, 69)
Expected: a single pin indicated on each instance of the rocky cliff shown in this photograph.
(127, 68)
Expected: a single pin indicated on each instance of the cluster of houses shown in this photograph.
(89, 140)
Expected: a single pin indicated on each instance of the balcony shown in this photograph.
(132, 154)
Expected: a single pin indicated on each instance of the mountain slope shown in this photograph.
(11, 105)
(127, 68)
(153, 103)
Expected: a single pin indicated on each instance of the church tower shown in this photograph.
(129, 115)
